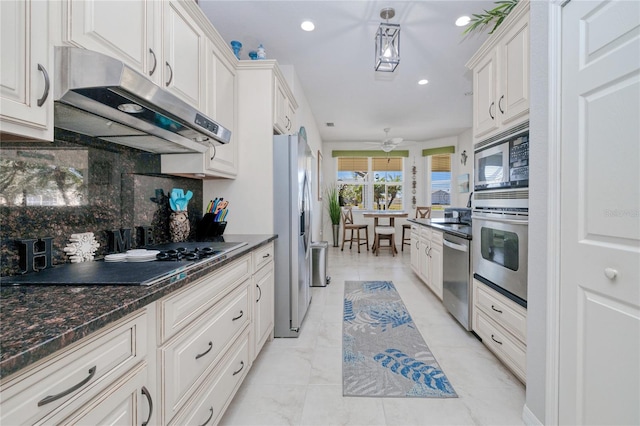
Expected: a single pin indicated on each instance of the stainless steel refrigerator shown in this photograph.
(292, 222)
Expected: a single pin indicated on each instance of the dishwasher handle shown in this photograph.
(454, 246)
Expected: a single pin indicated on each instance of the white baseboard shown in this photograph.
(529, 418)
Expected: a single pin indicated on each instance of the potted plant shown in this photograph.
(333, 204)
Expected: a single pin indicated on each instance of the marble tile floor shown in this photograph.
(299, 381)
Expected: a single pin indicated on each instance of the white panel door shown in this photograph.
(599, 366)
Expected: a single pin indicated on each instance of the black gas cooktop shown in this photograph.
(179, 256)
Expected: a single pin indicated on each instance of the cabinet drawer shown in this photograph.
(178, 310)
(501, 342)
(192, 353)
(262, 256)
(219, 388)
(78, 373)
(505, 312)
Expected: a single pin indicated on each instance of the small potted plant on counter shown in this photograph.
(333, 204)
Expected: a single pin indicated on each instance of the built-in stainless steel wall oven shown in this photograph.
(501, 213)
(500, 240)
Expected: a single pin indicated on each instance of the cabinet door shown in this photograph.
(92, 27)
(126, 402)
(514, 73)
(484, 95)
(264, 305)
(183, 61)
(435, 257)
(221, 105)
(423, 259)
(415, 252)
(280, 122)
(26, 72)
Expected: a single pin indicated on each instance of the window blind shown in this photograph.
(352, 164)
(441, 163)
(387, 164)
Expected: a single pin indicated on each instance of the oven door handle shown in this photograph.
(454, 246)
(498, 219)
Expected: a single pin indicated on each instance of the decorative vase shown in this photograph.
(179, 226)
(236, 46)
(336, 234)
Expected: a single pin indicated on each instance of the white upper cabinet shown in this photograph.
(220, 104)
(501, 76)
(26, 73)
(283, 109)
(91, 26)
(184, 47)
(158, 39)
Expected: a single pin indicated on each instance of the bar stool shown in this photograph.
(421, 212)
(349, 225)
(387, 233)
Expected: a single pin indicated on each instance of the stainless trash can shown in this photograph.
(319, 253)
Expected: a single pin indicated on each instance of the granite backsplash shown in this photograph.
(80, 184)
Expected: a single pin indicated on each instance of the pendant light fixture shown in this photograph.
(387, 43)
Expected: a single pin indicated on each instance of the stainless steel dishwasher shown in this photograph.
(456, 294)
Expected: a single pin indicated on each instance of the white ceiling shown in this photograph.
(335, 62)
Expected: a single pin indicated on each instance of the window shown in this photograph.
(373, 183)
(441, 179)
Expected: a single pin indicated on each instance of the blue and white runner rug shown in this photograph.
(383, 353)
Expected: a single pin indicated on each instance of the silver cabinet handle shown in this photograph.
(494, 339)
(500, 104)
(259, 294)
(454, 246)
(241, 367)
(45, 95)
(239, 316)
(205, 352)
(155, 61)
(210, 416)
(170, 76)
(491, 106)
(146, 393)
(51, 398)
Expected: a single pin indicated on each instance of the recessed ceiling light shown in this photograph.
(423, 82)
(462, 21)
(307, 26)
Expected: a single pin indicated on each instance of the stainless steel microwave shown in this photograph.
(503, 164)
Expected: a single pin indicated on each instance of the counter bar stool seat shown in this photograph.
(387, 233)
(421, 212)
(348, 225)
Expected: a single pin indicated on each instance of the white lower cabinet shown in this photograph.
(186, 359)
(264, 288)
(126, 402)
(502, 325)
(69, 383)
(179, 360)
(426, 256)
(214, 396)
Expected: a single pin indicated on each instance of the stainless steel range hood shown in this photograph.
(100, 96)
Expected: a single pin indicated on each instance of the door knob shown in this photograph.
(610, 273)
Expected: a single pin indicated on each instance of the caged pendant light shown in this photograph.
(387, 43)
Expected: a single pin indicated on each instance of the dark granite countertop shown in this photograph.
(36, 321)
(458, 229)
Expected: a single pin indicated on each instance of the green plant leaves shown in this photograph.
(480, 21)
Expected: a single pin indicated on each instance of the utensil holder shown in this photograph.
(179, 227)
(208, 228)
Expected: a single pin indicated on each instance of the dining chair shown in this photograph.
(349, 225)
(421, 212)
(383, 233)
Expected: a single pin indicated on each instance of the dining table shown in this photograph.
(391, 215)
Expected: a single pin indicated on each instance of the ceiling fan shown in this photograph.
(388, 144)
